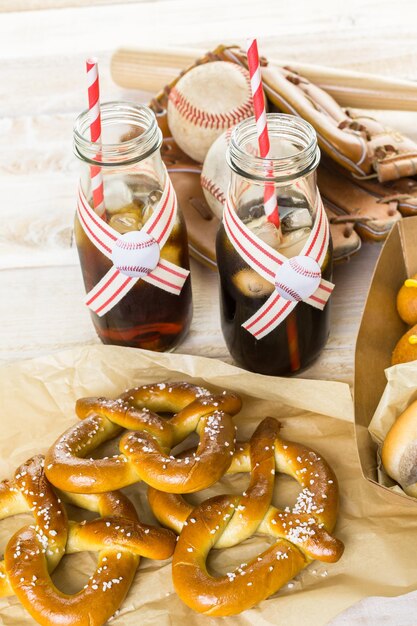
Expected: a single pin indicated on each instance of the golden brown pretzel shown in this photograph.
(34, 551)
(30, 491)
(119, 538)
(301, 534)
(145, 453)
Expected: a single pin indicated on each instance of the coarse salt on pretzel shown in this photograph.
(29, 491)
(34, 551)
(145, 453)
(302, 534)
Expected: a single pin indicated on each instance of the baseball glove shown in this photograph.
(364, 177)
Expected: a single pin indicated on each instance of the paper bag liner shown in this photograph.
(400, 391)
(380, 329)
(37, 401)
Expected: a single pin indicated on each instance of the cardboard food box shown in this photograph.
(380, 329)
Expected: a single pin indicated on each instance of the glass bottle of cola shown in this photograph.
(248, 292)
(134, 179)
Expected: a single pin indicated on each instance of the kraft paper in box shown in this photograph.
(399, 393)
(380, 329)
(37, 403)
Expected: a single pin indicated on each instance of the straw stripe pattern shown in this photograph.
(270, 199)
(95, 133)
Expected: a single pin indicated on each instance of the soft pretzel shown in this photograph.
(30, 491)
(145, 453)
(34, 551)
(301, 534)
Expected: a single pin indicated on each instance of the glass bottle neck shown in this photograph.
(300, 191)
(293, 151)
(130, 134)
(289, 169)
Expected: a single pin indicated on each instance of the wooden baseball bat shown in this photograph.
(150, 70)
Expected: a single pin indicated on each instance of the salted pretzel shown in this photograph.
(145, 451)
(33, 552)
(29, 491)
(302, 534)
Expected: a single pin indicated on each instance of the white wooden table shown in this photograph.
(42, 89)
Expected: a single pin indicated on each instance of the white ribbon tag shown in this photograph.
(298, 278)
(295, 280)
(136, 256)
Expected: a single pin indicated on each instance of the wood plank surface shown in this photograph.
(9, 6)
(42, 88)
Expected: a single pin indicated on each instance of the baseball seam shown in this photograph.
(134, 245)
(217, 121)
(133, 268)
(210, 186)
(228, 134)
(301, 270)
(245, 74)
(290, 291)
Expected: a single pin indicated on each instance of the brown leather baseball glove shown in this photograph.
(359, 177)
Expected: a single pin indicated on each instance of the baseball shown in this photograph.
(215, 176)
(135, 253)
(298, 278)
(205, 102)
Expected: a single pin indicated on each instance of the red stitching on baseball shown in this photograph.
(210, 186)
(134, 245)
(290, 291)
(245, 75)
(217, 121)
(302, 270)
(133, 268)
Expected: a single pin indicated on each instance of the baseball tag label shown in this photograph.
(135, 254)
(298, 278)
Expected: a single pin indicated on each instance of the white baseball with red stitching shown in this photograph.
(215, 176)
(135, 254)
(205, 102)
(298, 278)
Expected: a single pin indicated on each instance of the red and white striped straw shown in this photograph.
(95, 133)
(270, 199)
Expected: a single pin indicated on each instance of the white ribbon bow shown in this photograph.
(297, 279)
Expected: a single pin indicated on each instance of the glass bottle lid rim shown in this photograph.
(126, 152)
(303, 161)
